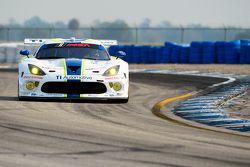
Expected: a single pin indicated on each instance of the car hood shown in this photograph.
(89, 66)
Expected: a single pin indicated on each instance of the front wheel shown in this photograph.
(121, 100)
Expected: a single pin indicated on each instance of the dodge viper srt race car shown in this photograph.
(73, 69)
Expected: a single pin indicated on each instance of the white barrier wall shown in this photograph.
(9, 52)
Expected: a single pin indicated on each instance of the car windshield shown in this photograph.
(72, 50)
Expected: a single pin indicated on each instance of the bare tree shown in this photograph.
(74, 25)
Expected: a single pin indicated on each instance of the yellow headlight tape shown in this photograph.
(88, 40)
(57, 40)
(82, 73)
(64, 72)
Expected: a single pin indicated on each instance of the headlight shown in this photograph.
(35, 70)
(112, 71)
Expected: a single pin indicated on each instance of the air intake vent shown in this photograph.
(74, 87)
(74, 68)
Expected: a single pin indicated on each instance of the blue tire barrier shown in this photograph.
(195, 53)
(208, 53)
(159, 54)
(175, 54)
(244, 41)
(136, 52)
(248, 54)
(166, 55)
(168, 51)
(232, 52)
(144, 54)
(129, 53)
(244, 53)
(113, 50)
(184, 56)
(152, 53)
(220, 52)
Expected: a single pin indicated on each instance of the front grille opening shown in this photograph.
(74, 87)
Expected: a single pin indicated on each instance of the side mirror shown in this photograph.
(24, 52)
(120, 54)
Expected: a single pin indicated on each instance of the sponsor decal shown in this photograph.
(113, 78)
(89, 69)
(78, 45)
(33, 94)
(32, 77)
(60, 45)
(51, 68)
(74, 77)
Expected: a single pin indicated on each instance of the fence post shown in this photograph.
(182, 34)
(91, 32)
(8, 34)
(136, 35)
(50, 32)
(225, 34)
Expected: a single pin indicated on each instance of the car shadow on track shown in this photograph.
(11, 98)
(8, 98)
(70, 100)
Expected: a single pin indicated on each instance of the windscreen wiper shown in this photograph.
(90, 58)
(50, 57)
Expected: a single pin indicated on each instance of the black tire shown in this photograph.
(18, 90)
(121, 100)
(20, 99)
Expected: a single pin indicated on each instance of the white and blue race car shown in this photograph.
(73, 69)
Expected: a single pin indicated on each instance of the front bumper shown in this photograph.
(39, 82)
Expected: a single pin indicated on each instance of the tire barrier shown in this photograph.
(232, 50)
(206, 52)
(185, 51)
(175, 54)
(195, 53)
(220, 47)
(245, 52)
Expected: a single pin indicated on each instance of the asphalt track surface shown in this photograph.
(65, 134)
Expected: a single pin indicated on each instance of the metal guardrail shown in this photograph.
(129, 35)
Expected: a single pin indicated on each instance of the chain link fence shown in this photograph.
(151, 36)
